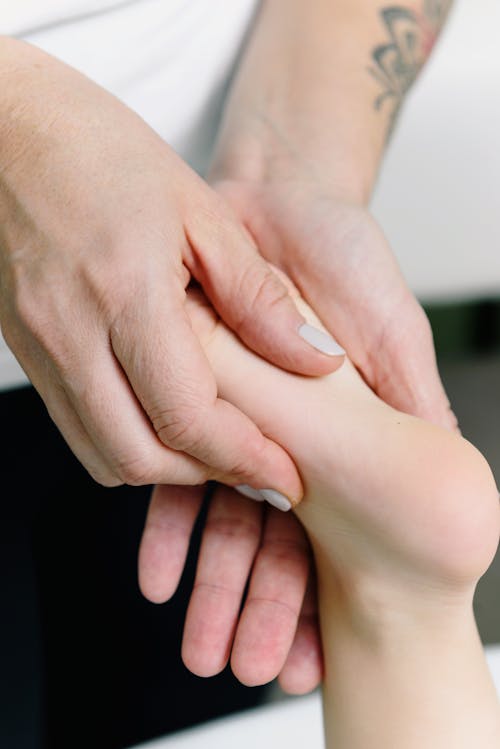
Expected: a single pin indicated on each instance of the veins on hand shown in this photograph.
(397, 62)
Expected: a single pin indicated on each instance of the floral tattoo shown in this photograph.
(397, 62)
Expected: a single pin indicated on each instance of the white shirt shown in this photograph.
(169, 60)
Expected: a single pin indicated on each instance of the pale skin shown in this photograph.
(102, 227)
(404, 518)
(300, 144)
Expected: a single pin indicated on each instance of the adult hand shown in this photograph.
(246, 548)
(102, 226)
(338, 257)
(270, 632)
(303, 133)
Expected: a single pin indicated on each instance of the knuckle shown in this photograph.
(276, 607)
(109, 481)
(101, 474)
(215, 588)
(30, 298)
(135, 470)
(259, 291)
(29, 313)
(44, 324)
(180, 428)
(113, 291)
(245, 464)
(287, 551)
(233, 528)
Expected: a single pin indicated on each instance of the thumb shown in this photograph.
(255, 303)
(407, 376)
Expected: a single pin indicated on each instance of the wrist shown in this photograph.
(302, 103)
(264, 150)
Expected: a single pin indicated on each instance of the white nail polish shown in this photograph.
(247, 491)
(276, 499)
(320, 340)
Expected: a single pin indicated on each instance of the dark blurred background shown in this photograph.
(467, 338)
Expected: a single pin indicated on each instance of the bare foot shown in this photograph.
(388, 497)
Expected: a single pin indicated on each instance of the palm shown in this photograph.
(338, 257)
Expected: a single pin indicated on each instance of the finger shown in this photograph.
(231, 537)
(60, 409)
(93, 406)
(407, 375)
(424, 394)
(268, 622)
(390, 343)
(176, 387)
(115, 421)
(165, 540)
(76, 436)
(254, 302)
(303, 669)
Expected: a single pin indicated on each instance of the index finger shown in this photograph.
(176, 387)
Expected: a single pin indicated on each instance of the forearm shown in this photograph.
(320, 85)
(405, 676)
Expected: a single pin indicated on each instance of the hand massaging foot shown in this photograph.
(403, 518)
(388, 497)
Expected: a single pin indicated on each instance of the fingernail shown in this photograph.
(320, 340)
(276, 499)
(247, 491)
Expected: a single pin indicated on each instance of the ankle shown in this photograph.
(377, 609)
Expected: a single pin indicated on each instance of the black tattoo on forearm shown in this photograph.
(398, 61)
(435, 11)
